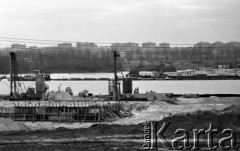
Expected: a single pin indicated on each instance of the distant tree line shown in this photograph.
(75, 60)
(57, 62)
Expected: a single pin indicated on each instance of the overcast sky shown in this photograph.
(107, 21)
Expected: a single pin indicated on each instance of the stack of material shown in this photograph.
(59, 95)
(83, 93)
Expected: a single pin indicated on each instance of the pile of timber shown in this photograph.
(115, 112)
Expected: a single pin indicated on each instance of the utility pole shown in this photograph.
(13, 74)
(193, 66)
(115, 55)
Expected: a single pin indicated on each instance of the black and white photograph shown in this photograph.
(119, 75)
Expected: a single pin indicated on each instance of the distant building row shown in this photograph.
(144, 45)
(117, 46)
(81, 45)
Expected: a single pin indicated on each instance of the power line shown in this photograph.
(25, 42)
(56, 41)
(33, 39)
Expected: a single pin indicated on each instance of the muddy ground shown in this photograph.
(115, 137)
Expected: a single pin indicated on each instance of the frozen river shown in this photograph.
(101, 87)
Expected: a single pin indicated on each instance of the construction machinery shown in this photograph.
(16, 86)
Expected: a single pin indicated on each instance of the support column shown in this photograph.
(13, 74)
(115, 55)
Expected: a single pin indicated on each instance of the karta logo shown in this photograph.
(154, 138)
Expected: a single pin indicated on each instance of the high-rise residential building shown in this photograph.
(164, 45)
(18, 46)
(203, 44)
(86, 45)
(126, 47)
(147, 45)
(65, 45)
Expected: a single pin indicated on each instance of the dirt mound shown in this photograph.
(235, 109)
(59, 95)
(201, 120)
(10, 125)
